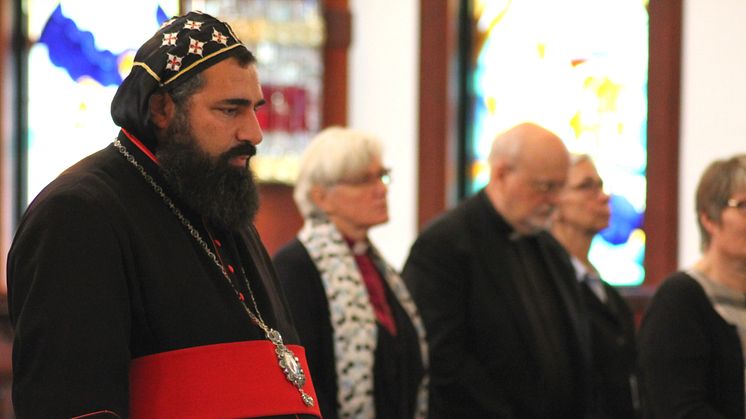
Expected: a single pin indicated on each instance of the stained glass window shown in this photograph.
(80, 51)
(579, 68)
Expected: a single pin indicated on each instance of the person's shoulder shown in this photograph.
(296, 272)
(453, 220)
(84, 191)
(292, 250)
(91, 177)
(292, 260)
(680, 284)
(679, 293)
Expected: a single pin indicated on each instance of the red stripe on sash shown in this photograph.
(232, 380)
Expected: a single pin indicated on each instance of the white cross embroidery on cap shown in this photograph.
(219, 37)
(170, 38)
(195, 46)
(173, 63)
(192, 24)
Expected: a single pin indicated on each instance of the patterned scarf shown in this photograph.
(353, 319)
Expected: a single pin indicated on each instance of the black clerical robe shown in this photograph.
(102, 275)
(475, 284)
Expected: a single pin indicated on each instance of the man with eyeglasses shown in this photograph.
(584, 211)
(507, 331)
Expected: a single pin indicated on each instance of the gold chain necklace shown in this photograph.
(286, 359)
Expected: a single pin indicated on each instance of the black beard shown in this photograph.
(225, 196)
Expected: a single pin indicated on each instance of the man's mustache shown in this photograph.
(245, 149)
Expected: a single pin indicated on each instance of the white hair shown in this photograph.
(332, 155)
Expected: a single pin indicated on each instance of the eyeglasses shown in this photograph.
(739, 204)
(589, 186)
(383, 176)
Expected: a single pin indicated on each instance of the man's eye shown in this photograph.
(229, 111)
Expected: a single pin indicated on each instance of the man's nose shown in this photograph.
(250, 130)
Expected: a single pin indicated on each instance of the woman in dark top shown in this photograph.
(584, 211)
(364, 339)
(692, 336)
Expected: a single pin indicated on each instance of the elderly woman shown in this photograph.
(364, 339)
(692, 336)
(582, 212)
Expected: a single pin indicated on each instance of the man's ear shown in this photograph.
(162, 109)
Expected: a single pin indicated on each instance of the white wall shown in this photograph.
(383, 99)
(713, 117)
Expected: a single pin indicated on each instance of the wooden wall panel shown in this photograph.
(437, 124)
(664, 79)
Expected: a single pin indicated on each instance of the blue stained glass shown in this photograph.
(624, 221)
(80, 52)
(160, 15)
(75, 51)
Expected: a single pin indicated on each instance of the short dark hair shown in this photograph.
(183, 92)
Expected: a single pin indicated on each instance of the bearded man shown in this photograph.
(138, 286)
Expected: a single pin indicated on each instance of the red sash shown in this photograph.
(231, 380)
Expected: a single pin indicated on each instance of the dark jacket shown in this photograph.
(485, 356)
(615, 376)
(691, 359)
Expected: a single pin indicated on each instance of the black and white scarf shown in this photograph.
(353, 319)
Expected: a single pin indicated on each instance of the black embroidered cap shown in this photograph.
(181, 48)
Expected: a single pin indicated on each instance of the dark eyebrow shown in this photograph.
(243, 102)
(236, 102)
